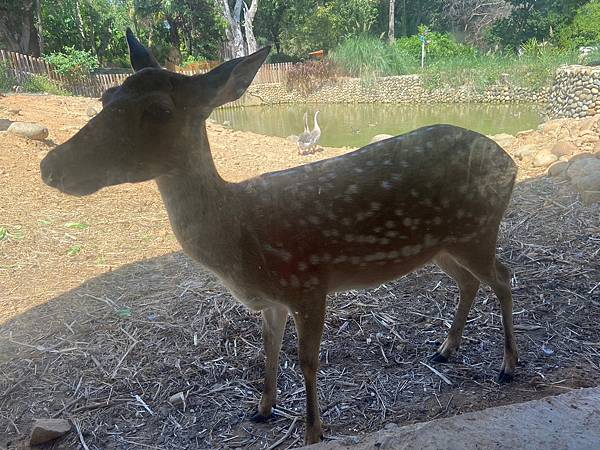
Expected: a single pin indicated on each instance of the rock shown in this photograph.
(15, 111)
(580, 156)
(563, 148)
(552, 125)
(583, 167)
(544, 158)
(227, 123)
(29, 130)
(588, 183)
(558, 169)
(177, 399)
(504, 140)
(525, 151)
(588, 198)
(45, 430)
(91, 111)
(5, 124)
(380, 137)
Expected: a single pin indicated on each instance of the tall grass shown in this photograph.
(448, 64)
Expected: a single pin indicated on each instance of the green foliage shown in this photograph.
(7, 81)
(593, 59)
(440, 45)
(43, 84)
(275, 58)
(73, 64)
(585, 29)
(309, 76)
(74, 250)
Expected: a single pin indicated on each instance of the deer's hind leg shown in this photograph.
(468, 286)
(480, 259)
(273, 327)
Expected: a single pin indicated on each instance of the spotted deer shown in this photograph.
(282, 241)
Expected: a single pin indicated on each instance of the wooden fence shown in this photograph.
(22, 67)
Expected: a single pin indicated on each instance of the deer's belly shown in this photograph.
(246, 295)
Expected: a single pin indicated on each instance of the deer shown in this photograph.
(282, 241)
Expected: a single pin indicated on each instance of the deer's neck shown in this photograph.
(196, 199)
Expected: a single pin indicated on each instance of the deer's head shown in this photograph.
(142, 129)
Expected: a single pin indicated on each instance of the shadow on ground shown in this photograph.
(163, 326)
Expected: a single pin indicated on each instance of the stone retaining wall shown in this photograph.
(576, 92)
(399, 89)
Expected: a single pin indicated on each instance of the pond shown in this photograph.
(354, 125)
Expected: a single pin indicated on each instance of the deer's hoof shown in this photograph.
(439, 358)
(257, 417)
(505, 377)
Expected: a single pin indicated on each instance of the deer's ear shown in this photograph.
(229, 81)
(139, 55)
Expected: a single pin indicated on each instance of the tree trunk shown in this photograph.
(38, 19)
(391, 23)
(234, 30)
(249, 15)
(174, 56)
(80, 23)
(17, 28)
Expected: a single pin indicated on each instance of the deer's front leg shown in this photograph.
(309, 324)
(273, 326)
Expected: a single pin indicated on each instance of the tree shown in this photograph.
(249, 14)
(585, 29)
(235, 38)
(392, 21)
(17, 27)
(474, 17)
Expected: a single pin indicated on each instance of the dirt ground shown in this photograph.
(98, 306)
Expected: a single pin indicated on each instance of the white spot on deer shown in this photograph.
(445, 203)
(360, 216)
(302, 266)
(346, 221)
(314, 259)
(334, 233)
(283, 282)
(302, 222)
(314, 281)
(371, 239)
(399, 212)
(340, 259)
(358, 170)
(370, 163)
(407, 221)
(378, 229)
(437, 220)
(390, 224)
(463, 188)
(326, 257)
(426, 202)
(354, 260)
(375, 206)
(391, 234)
(331, 215)
(349, 237)
(386, 185)
(414, 193)
(384, 241)
(314, 220)
(326, 233)
(460, 213)
(393, 254)
(387, 162)
(396, 177)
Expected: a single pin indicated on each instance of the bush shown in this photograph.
(441, 45)
(275, 58)
(73, 64)
(585, 29)
(42, 84)
(310, 76)
(7, 81)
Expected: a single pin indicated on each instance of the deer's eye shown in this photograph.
(158, 112)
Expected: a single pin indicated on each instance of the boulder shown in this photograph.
(552, 125)
(583, 167)
(580, 156)
(380, 137)
(504, 140)
(46, 430)
(29, 130)
(525, 151)
(4, 124)
(588, 183)
(544, 159)
(563, 148)
(558, 169)
(590, 197)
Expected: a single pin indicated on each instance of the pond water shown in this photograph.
(354, 125)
